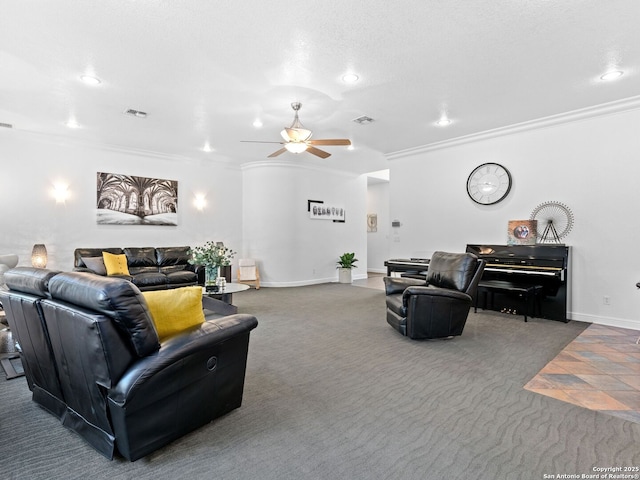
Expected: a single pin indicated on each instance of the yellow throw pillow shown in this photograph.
(175, 310)
(115, 264)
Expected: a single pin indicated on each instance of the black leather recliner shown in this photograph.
(24, 314)
(121, 388)
(437, 308)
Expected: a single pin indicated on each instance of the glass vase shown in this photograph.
(210, 277)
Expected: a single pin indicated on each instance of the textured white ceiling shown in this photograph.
(205, 70)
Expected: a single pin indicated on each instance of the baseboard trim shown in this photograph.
(377, 270)
(313, 281)
(608, 321)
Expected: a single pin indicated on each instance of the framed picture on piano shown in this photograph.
(522, 232)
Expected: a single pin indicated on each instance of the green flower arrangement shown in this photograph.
(211, 255)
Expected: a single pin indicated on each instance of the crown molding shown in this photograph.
(293, 164)
(618, 106)
(68, 141)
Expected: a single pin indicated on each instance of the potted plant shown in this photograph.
(346, 262)
(212, 256)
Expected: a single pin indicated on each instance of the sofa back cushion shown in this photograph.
(116, 298)
(452, 270)
(172, 259)
(141, 260)
(79, 253)
(34, 281)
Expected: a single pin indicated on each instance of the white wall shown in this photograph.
(378, 242)
(29, 214)
(291, 248)
(590, 165)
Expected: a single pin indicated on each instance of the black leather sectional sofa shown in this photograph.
(150, 268)
(92, 358)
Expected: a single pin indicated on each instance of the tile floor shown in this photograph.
(599, 370)
(373, 280)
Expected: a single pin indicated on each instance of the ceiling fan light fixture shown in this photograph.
(296, 147)
(295, 134)
(297, 139)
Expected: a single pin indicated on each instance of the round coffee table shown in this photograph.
(222, 300)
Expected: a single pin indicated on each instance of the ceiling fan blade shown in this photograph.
(334, 141)
(278, 152)
(318, 152)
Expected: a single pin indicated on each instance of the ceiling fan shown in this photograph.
(297, 139)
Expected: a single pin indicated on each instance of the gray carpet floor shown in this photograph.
(333, 392)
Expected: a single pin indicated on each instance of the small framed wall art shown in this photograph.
(324, 211)
(372, 222)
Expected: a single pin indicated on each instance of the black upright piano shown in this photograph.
(546, 265)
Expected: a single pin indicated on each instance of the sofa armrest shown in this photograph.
(176, 351)
(435, 292)
(198, 270)
(399, 284)
(194, 378)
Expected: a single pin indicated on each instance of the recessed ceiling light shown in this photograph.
(207, 148)
(89, 80)
(257, 123)
(350, 78)
(72, 124)
(612, 75)
(443, 122)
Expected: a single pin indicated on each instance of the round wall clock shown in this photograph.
(489, 183)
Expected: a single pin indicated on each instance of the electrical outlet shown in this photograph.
(606, 300)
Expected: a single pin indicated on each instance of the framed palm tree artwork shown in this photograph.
(131, 200)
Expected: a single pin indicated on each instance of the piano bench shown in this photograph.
(530, 294)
